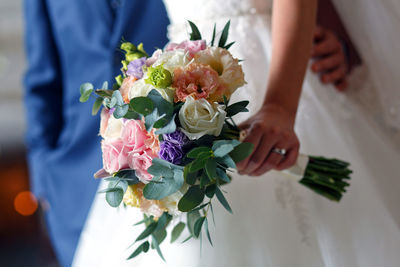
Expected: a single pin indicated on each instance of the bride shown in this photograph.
(276, 222)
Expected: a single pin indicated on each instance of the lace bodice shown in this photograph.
(181, 10)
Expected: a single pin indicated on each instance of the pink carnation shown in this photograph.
(114, 155)
(196, 80)
(134, 135)
(140, 162)
(190, 46)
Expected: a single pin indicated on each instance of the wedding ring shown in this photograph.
(280, 151)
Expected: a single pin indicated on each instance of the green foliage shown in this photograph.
(86, 90)
(148, 231)
(168, 179)
(191, 219)
(97, 105)
(170, 127)
(224, 35)
(144, 247)
(223, 200)
(162, 116)
(195, 34)
(197, 226)
(211, 169)
(236, 108)
(242, 151)
(191, 199)
(213, 35)
(114, 196)
(177, 231)
(142, 105)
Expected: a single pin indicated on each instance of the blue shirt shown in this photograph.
(69, 42)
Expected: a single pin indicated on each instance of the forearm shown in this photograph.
(293, 23)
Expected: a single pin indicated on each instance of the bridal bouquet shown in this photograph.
(169, 140)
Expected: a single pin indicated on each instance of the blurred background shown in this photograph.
(23, 238)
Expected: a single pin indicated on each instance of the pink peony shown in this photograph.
(114, 155)
(190, 46)
(196, 80)
(134, 135)
(140, 162)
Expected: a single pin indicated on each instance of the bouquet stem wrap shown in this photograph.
(322, 175)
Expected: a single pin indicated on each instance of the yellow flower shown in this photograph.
(133, 195)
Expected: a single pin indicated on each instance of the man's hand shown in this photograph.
(329, 58)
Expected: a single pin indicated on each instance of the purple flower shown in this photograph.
(135, 67)
(177, 137)
(171, 152)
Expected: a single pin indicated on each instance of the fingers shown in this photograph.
(270, 163)
(289, 159)
(254, 136)
(258, 159)
(328, 45)
(341, 85)
(319, 34)
(335, 75)
(328, 63)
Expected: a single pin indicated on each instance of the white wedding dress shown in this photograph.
(277, 222)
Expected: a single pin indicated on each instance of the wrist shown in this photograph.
(269, 108)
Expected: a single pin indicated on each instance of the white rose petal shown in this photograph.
(141, 88)
(114, 128)
(199, 117)
(172, 60)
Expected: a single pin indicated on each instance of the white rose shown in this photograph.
(172, 60)
(114, 128)
(199, 117)
(141, 88)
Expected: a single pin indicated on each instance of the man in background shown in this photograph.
(69, 43)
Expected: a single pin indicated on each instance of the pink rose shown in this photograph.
(190, 46)
(140, 162)
(114, 156)
(134, 135)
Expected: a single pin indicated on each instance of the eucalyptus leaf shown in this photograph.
(147, 232)
(190, 177)
(191, 220)
(105, 85)
(166, 186)
(227, 160)
(198, 164)
(177, 231)
(118, 97)
(204, 180)
(142, 105)
(169, 128)
(144, 247)
(114, 196)
(191, 199)
(160, 170)
(160, 235)
(223, 150)
(241, 151)
(207, 231)
(97, 105)
(120, 111)
(223, 200)
(86, 90)
(197, 226)
(196, 151)
(211, 168)
(222, 175)
(210, 190)
(156, 245)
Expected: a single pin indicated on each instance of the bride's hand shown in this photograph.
(270, 128)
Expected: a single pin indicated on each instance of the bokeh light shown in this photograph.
(25, 203)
